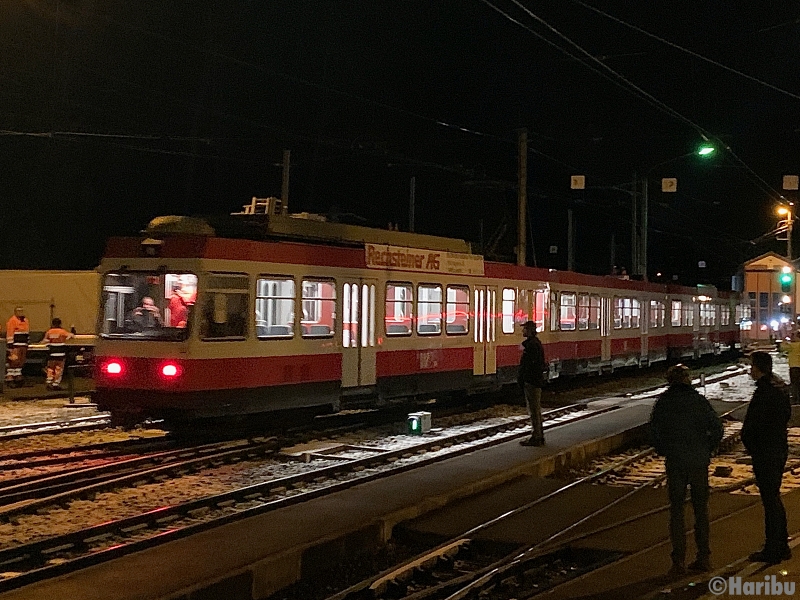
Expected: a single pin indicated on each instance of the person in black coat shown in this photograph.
(532, 366)
(764, 435)
(686, 430)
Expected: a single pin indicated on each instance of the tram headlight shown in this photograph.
(170, 370)
(113, 367)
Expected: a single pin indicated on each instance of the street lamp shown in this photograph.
(706, 149)
(787, 213)
(668, 184)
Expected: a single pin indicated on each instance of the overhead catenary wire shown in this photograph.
(621, 81)
(692, 53)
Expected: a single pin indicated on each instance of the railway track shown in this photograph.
(342, 467)
(12, 432)
(38, 492)
(471, 567)
(330, 469)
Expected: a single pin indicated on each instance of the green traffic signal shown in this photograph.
(787, 280)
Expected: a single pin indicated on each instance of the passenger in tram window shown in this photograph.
(178, 308)
(146, 316)
(793, 355)
(532, 366)
(686, 430)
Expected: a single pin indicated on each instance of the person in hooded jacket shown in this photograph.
(530, 377)
(686, 430)
(764, 435)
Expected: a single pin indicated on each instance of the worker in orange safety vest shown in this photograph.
(56, 339)
(17, 332)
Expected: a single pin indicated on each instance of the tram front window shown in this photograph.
(148, 305)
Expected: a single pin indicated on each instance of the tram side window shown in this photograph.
(656, 314)
(567, 317)
(583, 312)
(457, 322)
(635, 313)
(399, 309)
(594, 312)
(225, 307)
(319, 308)
(619, 304)
(540, 310)
(675, 317)
(509, 309)
(725, 315)
(554, 311)
(703, 315)
(275, 296)
(148, 305)
(429, 309)
(524, 306)
(687, 311)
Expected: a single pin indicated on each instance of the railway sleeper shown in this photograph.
(55, 549)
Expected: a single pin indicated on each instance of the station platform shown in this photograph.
(255, 557)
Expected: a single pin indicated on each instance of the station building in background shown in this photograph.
(770, 291)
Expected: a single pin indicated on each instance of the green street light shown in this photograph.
(706, 149)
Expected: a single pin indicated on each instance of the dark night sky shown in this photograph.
(112, 113)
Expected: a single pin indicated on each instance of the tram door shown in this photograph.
(484, 303)
(605, 329)
(358, 333)
(644, 318)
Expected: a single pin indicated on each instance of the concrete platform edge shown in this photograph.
(269, 575)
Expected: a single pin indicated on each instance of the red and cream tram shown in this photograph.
(200, 324)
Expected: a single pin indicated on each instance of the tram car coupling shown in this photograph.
(253, 313)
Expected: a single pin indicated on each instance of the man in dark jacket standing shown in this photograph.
(531, 378)
(764, 435)
(686, 430)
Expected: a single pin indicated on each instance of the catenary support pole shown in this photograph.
(522, 197)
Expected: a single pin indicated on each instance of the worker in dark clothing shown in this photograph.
(764, 435)
(686, 430)
(531, 378)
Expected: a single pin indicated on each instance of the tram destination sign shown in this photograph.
(395, 258)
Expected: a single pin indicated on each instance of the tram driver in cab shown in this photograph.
(146, 316)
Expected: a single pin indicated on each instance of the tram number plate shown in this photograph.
(429, 359)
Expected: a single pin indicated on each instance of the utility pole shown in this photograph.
(570, 242)
(285, 182)
(791, 183)
(635, 227)
(411, 198)
(613, 248)
(522, 196)
(643, 236)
